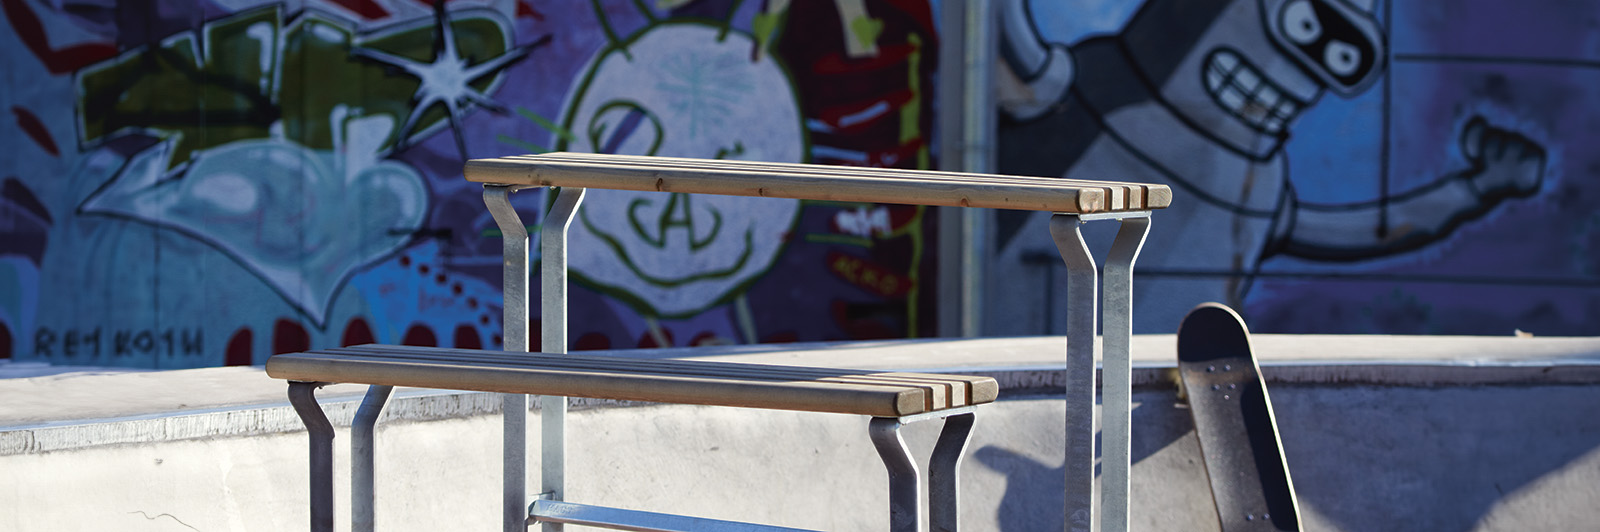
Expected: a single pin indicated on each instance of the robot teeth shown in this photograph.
(1245, 93)
(1246, 79)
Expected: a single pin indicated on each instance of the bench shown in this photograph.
(891, 399)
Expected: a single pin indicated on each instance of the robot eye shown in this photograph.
(1342, 58)
(1300, 22)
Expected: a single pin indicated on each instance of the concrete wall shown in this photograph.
(1363, 458)
(1466, 434)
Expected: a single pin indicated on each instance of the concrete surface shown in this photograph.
(1508, 439)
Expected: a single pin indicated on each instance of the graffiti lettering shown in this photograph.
(872, 277)
(42, 340)
(72, 343)
(427, 301)
(72, 339)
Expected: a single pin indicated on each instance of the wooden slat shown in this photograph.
(665, 381)
(940, 392)
(818, 182)
(971, 390)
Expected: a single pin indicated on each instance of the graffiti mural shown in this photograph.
(196, 183)
(1337, 165)
(199, 182)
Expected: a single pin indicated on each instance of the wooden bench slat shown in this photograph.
(818, 182)
(940, 393)
(937, 395)
(667, 381)
(819, 169)
(1119, 193)
(960, 390)
(802, 395)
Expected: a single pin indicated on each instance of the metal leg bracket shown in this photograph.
(1083, 300)
(905, 486)
(302, 395)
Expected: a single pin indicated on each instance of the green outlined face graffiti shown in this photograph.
(684, 90)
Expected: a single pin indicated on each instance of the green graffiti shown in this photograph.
(678, 213)
(621, 253)
(252, 76)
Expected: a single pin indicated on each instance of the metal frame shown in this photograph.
(553, 339)
(362, 451)
(905, 483)
(906, 492)
(1117, 377)
(303, 397)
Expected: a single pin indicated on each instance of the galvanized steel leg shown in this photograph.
(1082, 303)
(302, 395)
(514, 337)
(944, 473)
(1116, 432)
(362, 449)
(905, 497)
(553, 339)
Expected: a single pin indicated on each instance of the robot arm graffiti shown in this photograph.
(1033, 75)
(1502, 164)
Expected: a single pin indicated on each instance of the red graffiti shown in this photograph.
(466, 337)
(357, 332)
(58, 61)
(289, 337)
(239, 351)
(5, 341)
(592, 341)
(856, 116)
(872, 277)
(890, 56)
(31, 125)
(525, 10)
(420, 335)
(368, 9)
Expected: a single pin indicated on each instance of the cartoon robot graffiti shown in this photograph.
(1201, 96)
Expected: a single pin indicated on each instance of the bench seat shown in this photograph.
(818, 182)
(877, 394)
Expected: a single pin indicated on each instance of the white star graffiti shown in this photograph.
(447, 80)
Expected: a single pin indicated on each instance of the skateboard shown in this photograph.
(1233, 419)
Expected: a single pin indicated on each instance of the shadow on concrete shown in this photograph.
(1441, 459)
(1366, 458)
(1033, 497)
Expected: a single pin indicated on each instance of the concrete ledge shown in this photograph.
(74, 411)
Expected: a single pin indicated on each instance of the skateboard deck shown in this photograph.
(1233, 419)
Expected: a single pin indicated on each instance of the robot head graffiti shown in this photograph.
(1338, 44)
(1258, 63)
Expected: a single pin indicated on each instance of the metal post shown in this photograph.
(905, 486)
(514, 337)
(553, 339)
(1116, 433)
(1082, 288)
(303, 396)
(362, 463)
(967, 49)
(944, 469)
